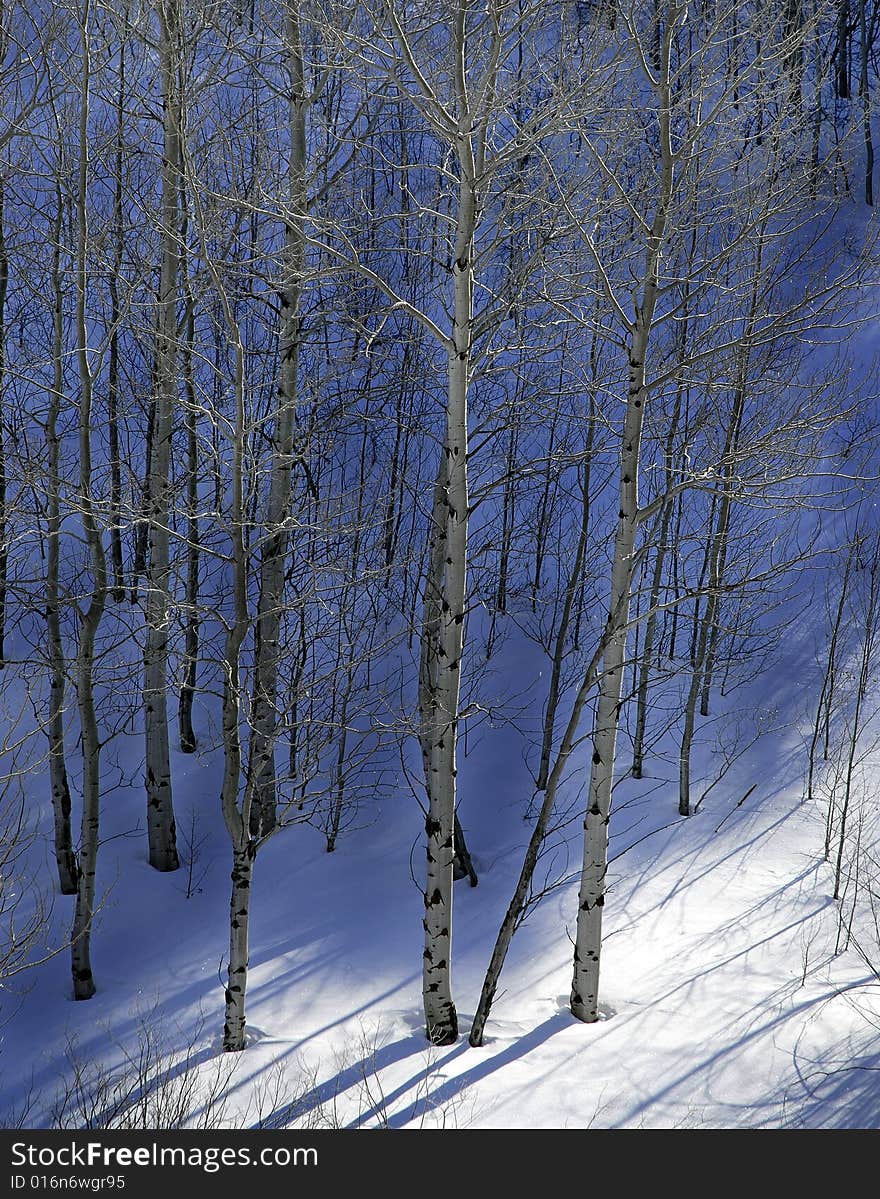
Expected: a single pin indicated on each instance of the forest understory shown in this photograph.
(439, 564)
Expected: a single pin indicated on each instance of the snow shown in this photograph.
(724, 1002)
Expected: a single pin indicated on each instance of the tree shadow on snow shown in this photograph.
(426, 1096)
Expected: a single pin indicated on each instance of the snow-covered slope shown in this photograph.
(724, 1002)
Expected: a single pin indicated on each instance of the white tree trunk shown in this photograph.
(236, 818)
(234, 1026)
(444, 633)
(591, 896)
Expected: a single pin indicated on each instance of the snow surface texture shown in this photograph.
(725, 1004)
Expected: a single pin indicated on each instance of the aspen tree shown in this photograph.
(96, 598)
(277, 535)
(466, 97)
(687, 114)
(160, 811)
(113, 368)
(58, 780)
(591, 898)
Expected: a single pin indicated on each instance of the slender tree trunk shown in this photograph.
(517, 908)
(4, 533)
(842, 48)
(275, 545)
(294, 692)
(508, 516)
(443, 637)
(673, 612)
(714, 637)
(575, 580)
(237, 821)
(235, 817)
(193, 543)
(543, 522)
(65, 857)
(793, 26)
(647, 657)
(395, 503)
(591, 896)
(700, 664)
(338, 801)
(234, 1027)
(690, 707)
(869, 639)
(141, 527)
(827, 681)
(113, 364)
(161, 831)
(865, 94)
(705, 638)
(81, 964)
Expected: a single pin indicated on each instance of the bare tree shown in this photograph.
(685, 120)
(160, 812)
(60, 787)
(461, 72)
(96, 597)
(284, 432)
(591, 898)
